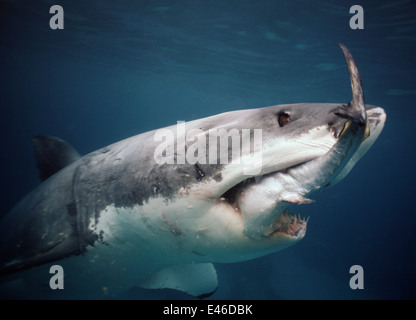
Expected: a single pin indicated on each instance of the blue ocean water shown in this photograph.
(121, 68)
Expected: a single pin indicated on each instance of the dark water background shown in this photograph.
(120, 68)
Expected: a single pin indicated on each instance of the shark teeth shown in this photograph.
(296, 198)
(291, 225)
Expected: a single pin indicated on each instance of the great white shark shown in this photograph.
(117, 218)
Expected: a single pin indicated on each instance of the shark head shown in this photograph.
(241, 210)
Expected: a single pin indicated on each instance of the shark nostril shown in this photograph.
(283, 119)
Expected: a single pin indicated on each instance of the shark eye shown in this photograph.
(283, 119)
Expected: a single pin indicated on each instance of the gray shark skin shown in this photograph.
(116, 218)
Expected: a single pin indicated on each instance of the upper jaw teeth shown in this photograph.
(296, 198)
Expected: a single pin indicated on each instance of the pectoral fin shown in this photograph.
(199, 280)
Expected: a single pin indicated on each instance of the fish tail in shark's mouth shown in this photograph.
(263, 200)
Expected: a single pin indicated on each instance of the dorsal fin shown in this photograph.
(52, 154)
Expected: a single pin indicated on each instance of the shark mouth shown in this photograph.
(272, 218)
